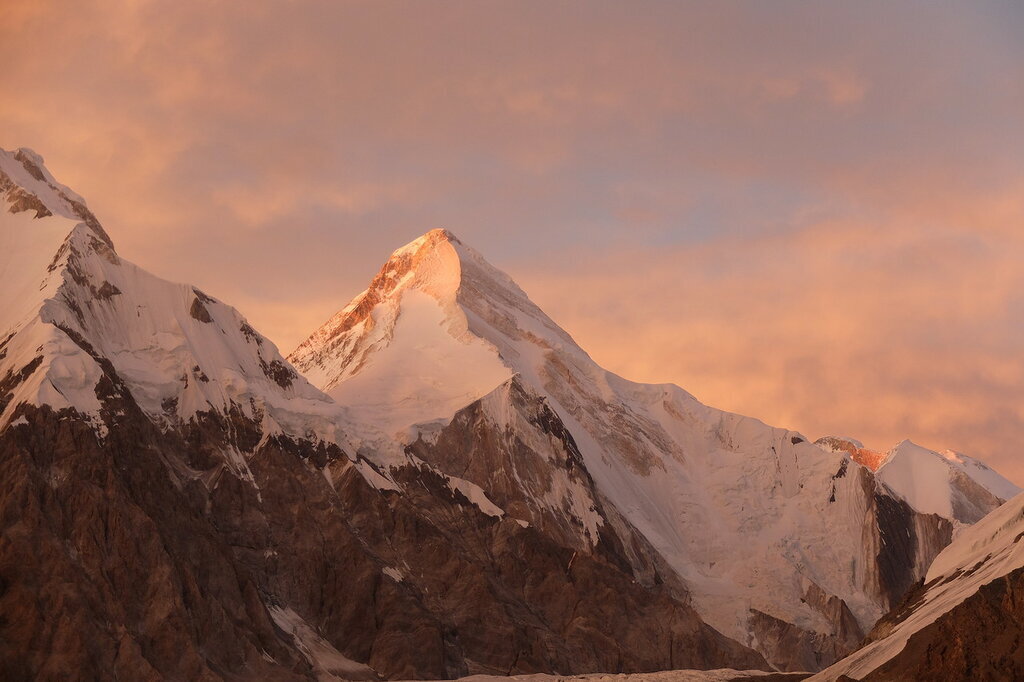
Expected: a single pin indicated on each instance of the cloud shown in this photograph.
(808, 214)
(879, 331)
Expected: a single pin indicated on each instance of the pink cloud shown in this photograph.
(810, 217)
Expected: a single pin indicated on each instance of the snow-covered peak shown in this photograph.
(27, 185)
(729, 503)
(950, 484)
(73, 313)
(953, 486)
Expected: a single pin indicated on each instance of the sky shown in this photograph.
(811, 213)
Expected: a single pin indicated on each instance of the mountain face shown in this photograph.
(792, 549)
(950, 484)
(451, 486)
(179, 503)
(73, 313)
(964, 621)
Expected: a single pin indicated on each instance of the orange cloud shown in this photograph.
(811, 216)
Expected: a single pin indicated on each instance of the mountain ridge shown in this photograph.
(669, 466)
(473, 493)
(179, 503)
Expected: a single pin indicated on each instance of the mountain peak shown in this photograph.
(428, 240)
(27, 185)
(955, 487)
(75, 317)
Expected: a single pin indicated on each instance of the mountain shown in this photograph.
(789, 548)
(451, 486)
(964, 621)
(177, 502)
(73, 314)
(950, 484)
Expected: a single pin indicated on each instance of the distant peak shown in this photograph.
(906, 444)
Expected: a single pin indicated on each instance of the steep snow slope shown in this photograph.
(70, 303)
(950, 484)
(981, 555)
(954, 486)
(783, 546)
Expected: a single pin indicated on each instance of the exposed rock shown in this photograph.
(278, 372)
(861, 455)
(199, 312)
(179, 581)
(981, 639)
(13, 379)
(848, 631)
(791, 647)
(251, 334)
(107, 291)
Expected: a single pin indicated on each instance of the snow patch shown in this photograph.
(475, 494)
(327, 662)
(393, 573)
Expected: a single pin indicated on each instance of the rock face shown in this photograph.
(861, 455)
(445, 359)
(981, 639)
(178, 503)
(963, 621)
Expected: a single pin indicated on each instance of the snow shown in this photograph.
(374, 478)
(928, 481)
(986, 477)
(919, 476)
(476, 495)
(61, 274)
(393, 573)
(740, 510)
(995, 535)
(420, 371)
(47, 190)
(327, 662)
(980, 554)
